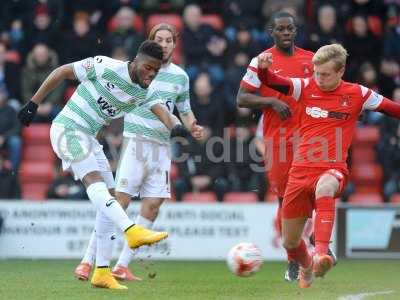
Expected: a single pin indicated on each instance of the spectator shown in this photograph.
(65, 187)
(201, 171)
(207, 104)
(10, 74)
(326, 31)
(202, 45)
(360, 44)
(389, 76)
(41, 61)
(9, 186)
(125, 35)
(43, 30)
(9, 130)
(245, 171)
(392, 42)
(82, 38)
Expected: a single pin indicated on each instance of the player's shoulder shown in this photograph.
(177, 70)
(304, 52)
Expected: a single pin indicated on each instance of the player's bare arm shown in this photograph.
(248, 99)
(190, 122)
(28, 111)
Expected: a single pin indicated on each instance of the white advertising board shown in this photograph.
(61, 229)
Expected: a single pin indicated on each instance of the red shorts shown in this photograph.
(300, 191)
(277, 166)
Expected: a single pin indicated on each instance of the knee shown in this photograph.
(325, 189)
(150, 208)
(290, 243)
(123, 199)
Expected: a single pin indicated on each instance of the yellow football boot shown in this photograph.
(139, 236)
(102, 278)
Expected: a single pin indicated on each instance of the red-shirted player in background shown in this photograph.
(278, 127)
(330, 108)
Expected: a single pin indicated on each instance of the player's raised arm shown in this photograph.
(285, 85)
(58, 75)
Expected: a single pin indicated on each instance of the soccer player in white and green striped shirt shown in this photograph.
(145, 161)
(108, 89)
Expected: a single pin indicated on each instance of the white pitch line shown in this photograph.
(364, 295)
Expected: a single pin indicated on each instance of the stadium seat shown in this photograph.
(367, 174)
(215, 21)
(367, 135)
(34, 191)
(362, 155)
(366, 199)
(172, 19)
(174, 172)
(36, 172)
(395, 198)
(36, 134)
(203, 197)
(241, 197)
(38, 153)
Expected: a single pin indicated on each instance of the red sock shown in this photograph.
(324, 219)
(300, 255)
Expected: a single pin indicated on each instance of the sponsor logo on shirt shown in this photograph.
(107, 108)
(317, 112)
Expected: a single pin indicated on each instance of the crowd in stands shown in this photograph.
(217, 41)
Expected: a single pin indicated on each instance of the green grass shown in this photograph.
(50, 279)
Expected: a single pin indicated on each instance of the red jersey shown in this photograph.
(298, 65)
(328, 120)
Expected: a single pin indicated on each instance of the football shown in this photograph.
(244, 259)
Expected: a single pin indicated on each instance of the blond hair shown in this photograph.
(163, 26)
(334, 52)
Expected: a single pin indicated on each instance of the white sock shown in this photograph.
(105, 237)
(127, 253)
(108, 205)
(90, 253)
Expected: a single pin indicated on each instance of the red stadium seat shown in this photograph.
(362, 155)
(215, 21)
(203, 197)
(34, 191)
(36, 134)
(395, 198)
(36, 172)
(241, 197)
(174, 172)
(367, 135)
(367, 199)
(172, 19)
(38, 153)
(367, 174)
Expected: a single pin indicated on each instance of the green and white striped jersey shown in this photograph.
(105, 92)
(172, 83)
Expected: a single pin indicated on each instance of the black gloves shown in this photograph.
(179, 130)
(27, 113)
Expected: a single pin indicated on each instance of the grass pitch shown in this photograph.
(51, 279)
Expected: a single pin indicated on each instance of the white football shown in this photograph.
(244, 259)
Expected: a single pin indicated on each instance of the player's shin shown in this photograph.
(300, 254)
(324, 220)
(108, 205)
(91, 249)
(127, 253)
(105, 236)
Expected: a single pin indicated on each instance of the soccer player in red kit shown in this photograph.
(330, 108)
(278, 128)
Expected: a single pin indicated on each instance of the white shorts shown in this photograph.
(80, 152)
(144, 168)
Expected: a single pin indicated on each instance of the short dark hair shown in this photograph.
(278, 15)
(151, 48)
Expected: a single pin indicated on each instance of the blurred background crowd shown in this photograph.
(217, 41)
